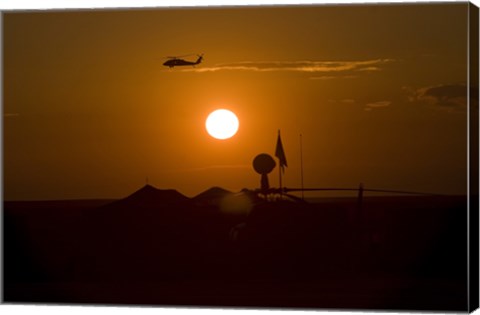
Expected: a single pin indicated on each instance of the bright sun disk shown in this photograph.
(222, 124)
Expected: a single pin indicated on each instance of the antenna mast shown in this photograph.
(301, 164)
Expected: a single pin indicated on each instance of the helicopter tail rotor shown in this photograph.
(200, 58)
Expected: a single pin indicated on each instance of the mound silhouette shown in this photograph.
(149, 197)
(144, 206)
(211, 196)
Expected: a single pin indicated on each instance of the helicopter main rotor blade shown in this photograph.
(175, 57)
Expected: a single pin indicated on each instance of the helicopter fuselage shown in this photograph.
(180, 62)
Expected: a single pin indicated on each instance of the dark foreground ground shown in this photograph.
(161, 248)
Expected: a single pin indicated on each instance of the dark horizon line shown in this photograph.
(284, 189)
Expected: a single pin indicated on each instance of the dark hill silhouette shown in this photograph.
(150, 194)
(211, 196)
(149, 197)
(144, 207)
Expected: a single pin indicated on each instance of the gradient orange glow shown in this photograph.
(90, 112)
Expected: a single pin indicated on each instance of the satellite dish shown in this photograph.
(263, 163)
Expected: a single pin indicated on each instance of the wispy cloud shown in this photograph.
(297, 66)
(11, 114)
(331, 77)
(370, 69)
(452, 97)
(375, 105)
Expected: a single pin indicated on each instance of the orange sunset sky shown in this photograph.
(378, 93)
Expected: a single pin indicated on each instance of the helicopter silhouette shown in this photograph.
(176, 61)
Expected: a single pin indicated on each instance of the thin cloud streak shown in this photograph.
(331, 77)
(370, 69)
(451, 97)
(379, 104)
(297, 66)
(375, 105)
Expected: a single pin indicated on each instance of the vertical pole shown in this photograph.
(264, 186)
(360, 200)
(280, 178)
(301, 164)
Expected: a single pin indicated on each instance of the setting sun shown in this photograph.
(222, 124)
